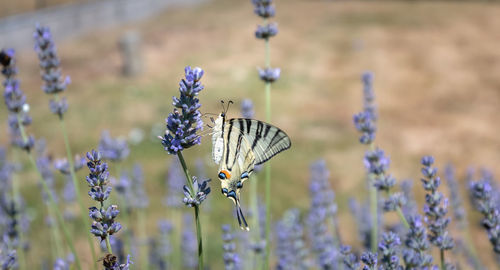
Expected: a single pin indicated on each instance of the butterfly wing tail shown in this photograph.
(241, 218)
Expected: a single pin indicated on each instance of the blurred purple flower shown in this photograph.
(264, 8)
(113, 149)
(230, 256)
(175, 181)
(291, 248)
(267, 31)
(269, 75)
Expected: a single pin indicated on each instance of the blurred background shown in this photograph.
(437, 87)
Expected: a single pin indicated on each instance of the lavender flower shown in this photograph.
(51, 72)
(175, 182)
(113, 149)
(201, 190)
(139, 197)
(435, 208)
(350, 259)
(247, 110)
(322, 212)
(188, 244)
(269, 75)
(365, 121)
(231, 258)
(69, 196)
(364, 222)
(264, 8)
(456, 201)
(416, 242)
(15, 101)
(10, 210)
(395, 201)
(290, 247)
(163, 247)
(388, 248)
(64, 264)
(6, 170)
(43, 162)
(370, 260)
(369, 95)
(182, 126)
(377, 164)
(410, 206)
(483, 199)
(267, 31)
(13, 96)
(62, 165)
(8, 260)
(104, 223)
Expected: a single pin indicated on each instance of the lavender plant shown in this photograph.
(230, 256)
(188, 244)
(389, 249)
(351, 262)
(321, 220)
(113, 149)
(435, 209)
(416, 256)
(18, 120)
(55, 85)
(375, 161)
(291, 249)
(265, 9)
(483, 198)
(104, 224)
(182, 133)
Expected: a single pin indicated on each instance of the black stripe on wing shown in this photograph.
(266, 140)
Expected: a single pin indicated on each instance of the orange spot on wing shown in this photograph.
(228, 175)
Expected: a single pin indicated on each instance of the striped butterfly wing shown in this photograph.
(237, 154)
(264, 140)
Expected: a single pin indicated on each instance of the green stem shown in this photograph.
(441, 255)
(268, 167)
(141, 220)
(374, 211)
(400, 213)
(55, 235)
(52, 203)
(402, 217)
(108, 246)
(83, 209)
(196, 211)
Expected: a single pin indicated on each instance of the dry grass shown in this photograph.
(437, 88)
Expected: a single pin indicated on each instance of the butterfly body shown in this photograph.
(238, 145)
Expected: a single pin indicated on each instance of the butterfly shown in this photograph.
(238, 144)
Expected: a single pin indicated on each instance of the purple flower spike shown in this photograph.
(435, 207)
(264, 8)
(185, 121)
(269, 75)
(267, 31)
(54, 82)
(104, 223)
